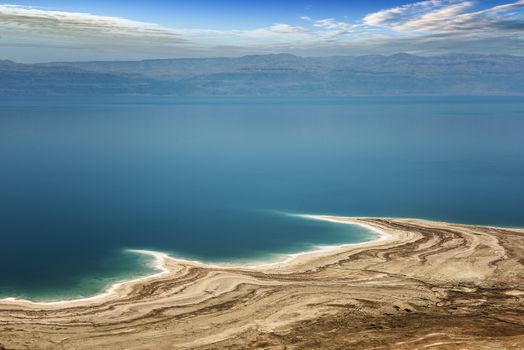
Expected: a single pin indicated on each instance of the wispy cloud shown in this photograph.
(436, 20)
(448, 16)
(287, 29)
(453, 25)
(405, 12)
(428, 26)
(25, 20)
(332, 24)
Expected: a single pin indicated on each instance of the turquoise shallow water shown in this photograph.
(82, 180)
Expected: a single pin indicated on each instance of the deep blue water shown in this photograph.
(82, 179)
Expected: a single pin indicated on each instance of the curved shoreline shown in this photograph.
(160, 264)
(426, 284)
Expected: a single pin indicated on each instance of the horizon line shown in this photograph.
(400, 53)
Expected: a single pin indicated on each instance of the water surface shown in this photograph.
(83, 179)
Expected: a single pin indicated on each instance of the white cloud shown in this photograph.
(332, 24)
(447, 16)
(22, 20)
(287, 29)
(439, 19)
(506, 7)
(455, 25)
(396, 14)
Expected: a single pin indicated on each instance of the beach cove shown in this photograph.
(158, 262)
(423, 272)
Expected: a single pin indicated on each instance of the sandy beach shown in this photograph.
(422, 284)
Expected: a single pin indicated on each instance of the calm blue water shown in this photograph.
(83, 179)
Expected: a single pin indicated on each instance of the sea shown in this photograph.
(85, 179)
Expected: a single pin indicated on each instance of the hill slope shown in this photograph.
(273, 75)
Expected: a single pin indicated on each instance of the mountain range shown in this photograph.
(272, 75)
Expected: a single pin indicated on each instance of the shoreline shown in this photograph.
(284, 260)
(328, 248)
(159, 263)
(420, 285)
(160, 258)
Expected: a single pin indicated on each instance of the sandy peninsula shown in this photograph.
(422, 285)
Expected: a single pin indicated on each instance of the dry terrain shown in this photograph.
(430, 285)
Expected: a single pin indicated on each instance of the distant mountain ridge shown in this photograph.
(273, 75)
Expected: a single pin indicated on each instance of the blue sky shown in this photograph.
(216, 14)
(50, 30)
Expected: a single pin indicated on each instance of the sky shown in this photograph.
(59, 30)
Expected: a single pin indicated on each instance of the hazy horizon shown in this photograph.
(58, 30)
(276, 54)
